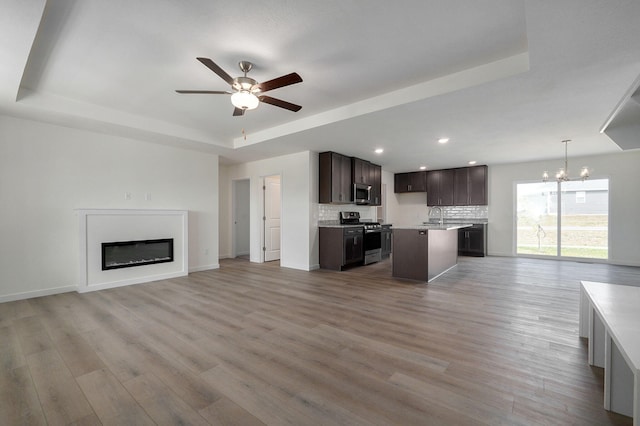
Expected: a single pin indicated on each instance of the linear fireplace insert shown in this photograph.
(126, 254)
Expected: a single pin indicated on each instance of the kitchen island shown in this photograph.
(424, 252)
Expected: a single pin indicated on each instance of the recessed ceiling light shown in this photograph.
(379, 151)
(443, 140)
(423, 167)
(472, 162)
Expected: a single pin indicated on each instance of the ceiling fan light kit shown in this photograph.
(245, 100)
(246, 92)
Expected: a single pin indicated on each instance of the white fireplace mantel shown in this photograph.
(107, 225)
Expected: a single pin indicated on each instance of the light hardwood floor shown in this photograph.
(494, 341)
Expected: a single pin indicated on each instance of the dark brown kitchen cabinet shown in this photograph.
(341, 247)
(386, 236)
(470, 186)
(440, 185)
(472, 241)
(361, 171)
(478, 186)
(375, 178)
(410, 182)
(461, 186)
(368, 174)
(353, 249)
(335, 178)
(465, 186)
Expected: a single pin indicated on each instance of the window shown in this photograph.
(568, 219)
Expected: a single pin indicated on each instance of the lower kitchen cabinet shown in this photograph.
(472, 241)
(341, 247)
(386, 238)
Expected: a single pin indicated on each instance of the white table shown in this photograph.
(610, 319)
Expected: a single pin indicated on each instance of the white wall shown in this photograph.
(406, 209)
(622, 169)
(298, 184)
(47, 171)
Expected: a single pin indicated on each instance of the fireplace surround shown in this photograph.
(129, 227)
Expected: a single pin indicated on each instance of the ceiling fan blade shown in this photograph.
(280, 103)
(204, 92)
(215, 68)
(238, 112)
(276, 83)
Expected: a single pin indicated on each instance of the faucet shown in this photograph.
(441, 222)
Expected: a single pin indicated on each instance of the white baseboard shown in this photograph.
(204, 268)
(36, 293)
(498, 254)
(133, 281)
(314, 267)
(50, 291)
(300, 267)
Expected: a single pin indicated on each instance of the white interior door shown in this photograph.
(272, 207)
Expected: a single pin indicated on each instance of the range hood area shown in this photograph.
(623, 125)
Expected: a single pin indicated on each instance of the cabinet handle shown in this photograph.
(408, 187)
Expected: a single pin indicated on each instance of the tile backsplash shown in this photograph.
(466, 212)
(332, 211)
(406, 215)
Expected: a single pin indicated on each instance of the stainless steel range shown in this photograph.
(372, 236)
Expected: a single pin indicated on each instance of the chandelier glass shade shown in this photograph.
(562, 175)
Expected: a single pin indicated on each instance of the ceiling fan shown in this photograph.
(246, 93)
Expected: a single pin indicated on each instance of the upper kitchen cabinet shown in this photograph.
(464, 186)
(361, 170)
(410, 182)
(478, 186)
(335, 178)
(470, 186)
(440, 185)
(375, 179)
(369, 174)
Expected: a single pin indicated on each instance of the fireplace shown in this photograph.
(127, 254)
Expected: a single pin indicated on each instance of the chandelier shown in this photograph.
(563, 173)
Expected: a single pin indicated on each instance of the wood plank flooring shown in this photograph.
(494, 341)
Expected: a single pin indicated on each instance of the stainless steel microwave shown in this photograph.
(361, 193)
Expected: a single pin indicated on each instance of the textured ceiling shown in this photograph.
(506, 80)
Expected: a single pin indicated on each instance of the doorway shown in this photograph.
(241, 219)
(271, 218)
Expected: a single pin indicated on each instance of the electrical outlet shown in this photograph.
(127, 195)
(147, 196)
(206, 252)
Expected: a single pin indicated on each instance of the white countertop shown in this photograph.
(619, 306)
